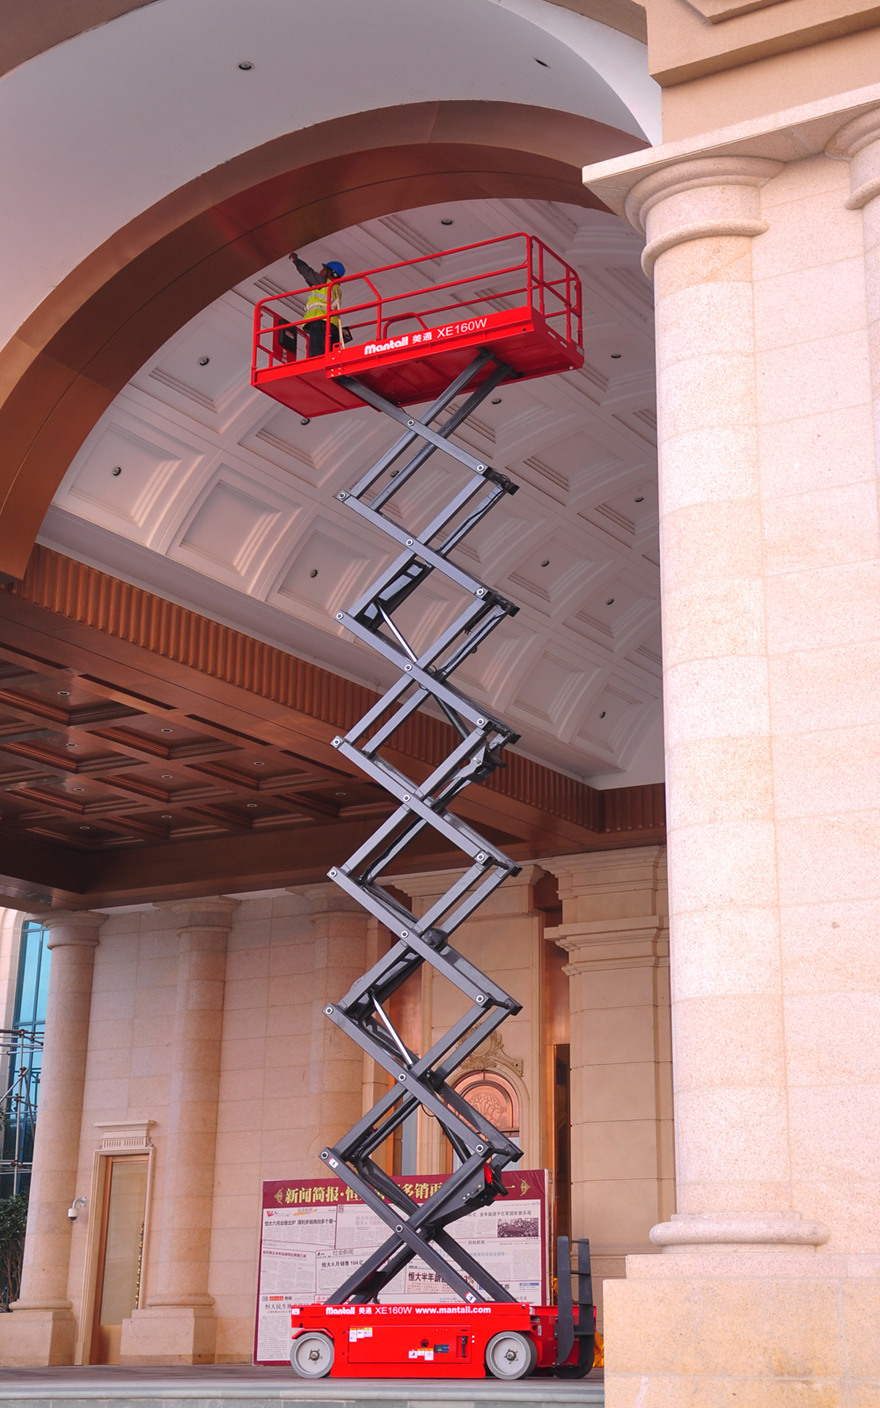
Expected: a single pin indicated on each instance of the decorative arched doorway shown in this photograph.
(493, 1096)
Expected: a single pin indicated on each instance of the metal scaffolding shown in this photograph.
(21, 1051)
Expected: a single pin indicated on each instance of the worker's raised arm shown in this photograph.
(305, 270)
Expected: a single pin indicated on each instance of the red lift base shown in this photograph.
(489, 1339)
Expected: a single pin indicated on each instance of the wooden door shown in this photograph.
(120, 1252)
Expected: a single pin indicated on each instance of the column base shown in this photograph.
(770, 1330)
(169, 1335)
(37, 1336)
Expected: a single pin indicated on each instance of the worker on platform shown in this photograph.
(314, 324)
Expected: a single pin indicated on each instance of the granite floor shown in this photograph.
(250, 1387)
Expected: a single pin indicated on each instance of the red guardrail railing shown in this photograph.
(539, 279)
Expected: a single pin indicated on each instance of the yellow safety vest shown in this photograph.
(316, 303)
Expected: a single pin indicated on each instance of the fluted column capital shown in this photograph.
(213, 913)
(511, 897)
(858, 142)
(595, 873)
(327, 899)
(638, 941)
(699, 198)
(71, 927)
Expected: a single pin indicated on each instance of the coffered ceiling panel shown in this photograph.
(210, 476)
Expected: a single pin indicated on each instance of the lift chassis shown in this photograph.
(352, 1334)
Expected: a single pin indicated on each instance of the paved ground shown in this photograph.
(162, 1387)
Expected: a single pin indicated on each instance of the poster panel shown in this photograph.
(315, 1232)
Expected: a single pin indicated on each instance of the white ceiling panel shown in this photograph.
(234, 489)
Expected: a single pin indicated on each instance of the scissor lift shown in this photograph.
(521, 318)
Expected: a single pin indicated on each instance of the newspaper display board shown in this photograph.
(316, 1231)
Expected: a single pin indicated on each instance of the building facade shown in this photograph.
(701, 1072)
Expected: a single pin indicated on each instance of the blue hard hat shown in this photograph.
(334, 264)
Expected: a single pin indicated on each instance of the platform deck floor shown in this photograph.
(250, 1387)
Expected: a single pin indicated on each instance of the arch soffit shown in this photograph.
(27, 30)
(79, 348)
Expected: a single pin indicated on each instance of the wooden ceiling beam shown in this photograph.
(127, 672)
(149, 685)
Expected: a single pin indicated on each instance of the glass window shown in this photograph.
(23, 1046)
(33, 977)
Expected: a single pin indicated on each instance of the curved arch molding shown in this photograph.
(99, 325)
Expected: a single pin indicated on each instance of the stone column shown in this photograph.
(337, 1067)
(615, 930)
(858, 142)
(41, 1328)
(770, 551)
(177, 1326)
(731, 1112)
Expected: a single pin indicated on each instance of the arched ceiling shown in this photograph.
(173, 150)
(226, 502)
(26, 31)
(101, 127)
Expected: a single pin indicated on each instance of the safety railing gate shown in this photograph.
(482, 1151)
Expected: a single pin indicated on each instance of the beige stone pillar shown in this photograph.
(177, 1326)
(41, 1328)
(770, 554)
(615, 930)
(858, 142)
(337, 1067)
(731, 1112)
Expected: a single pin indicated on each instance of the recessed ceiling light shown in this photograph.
(640, 499)
(245, 65)
(496, 401)
(610, 601)
(251, 805)
(305, 420)
(340, 794)
(542, 63)
(203, 361)
(85, 828)
(71, 745)
(166, 730)
(615, 356)
(447, 221)
(64, 691)
(166, 776)
(546, 562)
(116, 471)
(602, 715)
(166, 816)
(79, 789)
(259, 765)
(314, 572)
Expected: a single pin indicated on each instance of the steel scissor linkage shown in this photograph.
(424, 1082)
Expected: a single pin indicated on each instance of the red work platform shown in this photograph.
(414, 326)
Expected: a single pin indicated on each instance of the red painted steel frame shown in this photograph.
(425, 1341)
(540, 335)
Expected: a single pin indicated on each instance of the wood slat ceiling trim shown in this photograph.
(103, 685)
(81, 593)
